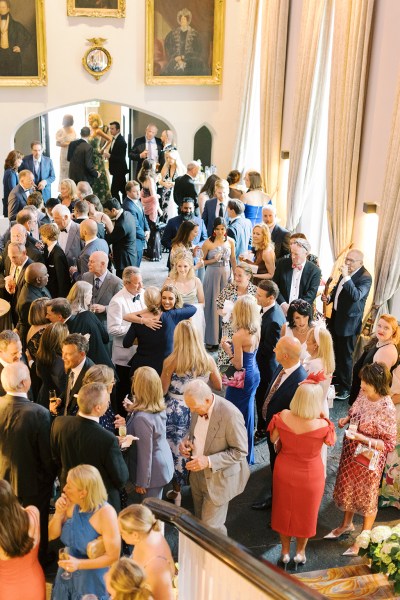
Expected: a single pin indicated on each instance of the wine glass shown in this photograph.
(219, 250)
(122, 430)
(199, 253)
(63, 554)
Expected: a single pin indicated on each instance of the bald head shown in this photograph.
(88, 229)
(288, 351)
(36, 275)
(354, 260)
(15, 378)
(97, 263)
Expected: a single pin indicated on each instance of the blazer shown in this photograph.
(26, 461)
(136, 209)
(16, 201)
(72, 404)
(271, 325)
(351, 303)
(173, 225)
(280, 237)
(240, 230)
(121, 304)
(285, 392)
(46, 172)
(81, 165)
(59, 282)
(110, 286)
(139, 145)
(87, 322)
(117, 161)
(52, 378)
(209, 217)
(74, 244)
(83, 258)
(184, 188)
(77, 440)
(226, 445)
(155, 465)
(28, 294)
(10, 181)
(123, 240)
(309, 282)
(13, 298)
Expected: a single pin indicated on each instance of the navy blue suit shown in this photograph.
(172, 227)
(16, 201)
(240, 231)
(280, 237)
(209, 217)
(46, 171)
(309, 282)
(136, 209)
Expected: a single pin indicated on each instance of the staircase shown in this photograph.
(349, 583)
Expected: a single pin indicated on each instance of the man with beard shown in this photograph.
(186, 214)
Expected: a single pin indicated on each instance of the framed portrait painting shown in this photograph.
(184, 42)
(96, 8)
(22, 43)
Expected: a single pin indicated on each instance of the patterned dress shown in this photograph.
(229, 293)
(168, 205)
(100, 185)
(357, 488)
(178, 421)
(390, 489)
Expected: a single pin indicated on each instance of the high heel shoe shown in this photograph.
(285, 559)
(299, 559)
(335, 536)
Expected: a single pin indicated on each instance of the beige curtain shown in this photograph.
(350, 62)
(308, 102)
(274, 28)
(387, 254)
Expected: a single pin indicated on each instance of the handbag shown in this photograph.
(232, 377)
(366, 456)
(96, 548)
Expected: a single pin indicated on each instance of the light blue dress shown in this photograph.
(254, 213)
(216, 278)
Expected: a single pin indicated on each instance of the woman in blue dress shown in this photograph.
(82, 515)
(255, 197)
(10, 177)
(242, 350)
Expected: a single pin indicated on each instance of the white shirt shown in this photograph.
(63, 237)
(295, 285)
(76, 370)
(200, 433)
(288, 372)
(112, 143)
(20, 394)
(51, 246)
(90, 417)
(340, 287)
(217, 209)
(266, 308)
(151, 147)
(101, 277)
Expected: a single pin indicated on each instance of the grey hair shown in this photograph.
(128, 272)
(13, 376)
(61, 210)
(192, 165)
(198, 389)
(89, 396)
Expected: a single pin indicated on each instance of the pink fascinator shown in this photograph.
(314, 378)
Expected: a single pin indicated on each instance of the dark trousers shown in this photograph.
(343, 346)
(123, 386)
(139, 251)
(260, 397)
(118, 186)
(42, 502)
(272, 458)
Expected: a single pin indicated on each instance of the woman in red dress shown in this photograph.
(299, 477)
(21, 576)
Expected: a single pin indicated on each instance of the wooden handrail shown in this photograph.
(262, 574)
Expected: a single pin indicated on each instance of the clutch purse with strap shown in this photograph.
(96, 548)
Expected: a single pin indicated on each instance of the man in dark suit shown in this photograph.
(133, 205)
(19, 195)
(25, 458)
(36, 278)
(80, 158)
(184, 185)
(105, 285)
(282, 388)
(272, 320)
(240, 228)
(88, 233)
(148, 146)
(122, 236)
(186, 214)
(59, 283)
(14, 272)
(117, 161)
(42, 168)
(15, 43)
(19, 235)
(348, 296)
(297, 277)
(80, 439)
(70, 238)
(10, 352)
(217, 207)
(279, 235)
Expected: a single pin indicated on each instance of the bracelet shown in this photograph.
(230, 358)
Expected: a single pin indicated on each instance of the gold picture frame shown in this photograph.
(96, 8)
(97, 60)
(201, 63)
(26, 30)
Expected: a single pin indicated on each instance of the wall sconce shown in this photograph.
(284, 155)
(370, 209)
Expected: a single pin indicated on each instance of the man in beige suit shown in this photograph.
(216, 448)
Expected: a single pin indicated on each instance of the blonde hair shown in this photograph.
(76, 296)
(138, 518)
(99, 374)
(325, 349)
(71, 185)
(152, 299)
(127, 580)
(95, 117)
(188, 355)
(307, 401)
(88, 478)
(266, 237)
(182, 256)
(246, 315)
(147, 389)
(167, 287)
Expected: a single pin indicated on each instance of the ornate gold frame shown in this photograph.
(218, 45)
(96, 44)
(119, 12)
(41, 77)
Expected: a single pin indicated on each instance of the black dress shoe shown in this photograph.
(342, 394)
(262, 505)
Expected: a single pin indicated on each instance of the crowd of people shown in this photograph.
(108, 383)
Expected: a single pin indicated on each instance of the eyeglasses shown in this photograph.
(352, 260)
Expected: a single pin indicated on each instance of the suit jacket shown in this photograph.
(155, 465)
(87, 322)
(81, 165)
(139, 145)
(59, 282)
(83, 258)
(28, 294)
(173, 225)
(74, 244)
(280, 237)
(13, 298)
(72, 404)
(25, 458)
(309, 282)
(110, 286)
(184, 188)
(285, 392)
(46, 172)
(351, 303)
(240, 231)
(209, 217)
(142, 225)
(123, 240)
(117, 160)
(16, 201)
(226, 445)
(271, 325)
(76, 441)
(121, 304)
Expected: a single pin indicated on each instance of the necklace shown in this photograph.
(379, 345)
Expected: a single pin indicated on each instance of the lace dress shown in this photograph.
(357, 488)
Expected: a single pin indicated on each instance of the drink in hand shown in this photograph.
(122, 430)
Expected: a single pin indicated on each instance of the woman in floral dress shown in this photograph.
(99, 142)
(188, 360)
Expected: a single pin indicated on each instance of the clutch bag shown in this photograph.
(96, 548)
(367, 457)
(232, 377)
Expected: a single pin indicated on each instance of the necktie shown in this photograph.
(262, 311)
(298, 267)
(63, 231)
(97, 283)
(4, 17)
(221, 209)
(271, 392)
(16, 274)
(37, 167)
(70, 385)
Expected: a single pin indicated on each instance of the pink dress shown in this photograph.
(150, 204)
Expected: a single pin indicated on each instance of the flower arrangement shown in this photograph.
(382, 546)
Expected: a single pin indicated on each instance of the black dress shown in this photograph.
(52, 378)
(87, 322)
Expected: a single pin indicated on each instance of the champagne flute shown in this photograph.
(63, 554)
(219, 251)
(53, 396)
(122, 430)
(199, 254)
